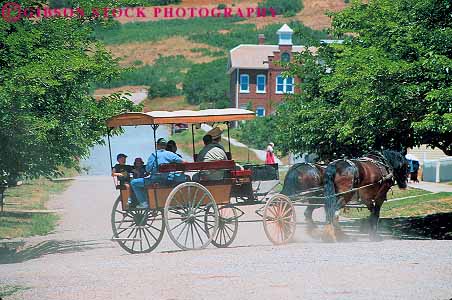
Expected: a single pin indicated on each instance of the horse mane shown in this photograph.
(394, 158)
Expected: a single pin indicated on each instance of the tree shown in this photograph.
(208, 84)
(387, 86)
(47, 116)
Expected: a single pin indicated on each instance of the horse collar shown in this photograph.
(355, 172)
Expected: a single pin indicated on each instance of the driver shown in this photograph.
(212, 150)
(163, 157)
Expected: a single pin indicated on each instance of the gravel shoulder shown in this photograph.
(79, 261)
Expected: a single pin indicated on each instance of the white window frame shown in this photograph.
(248, 85)
(276, 89)
(285, 85)
(262, 108)
(257, 84)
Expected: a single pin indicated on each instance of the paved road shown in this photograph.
(432, 186)
(79, 262)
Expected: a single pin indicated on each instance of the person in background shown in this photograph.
(139, 170)
(270, 155)
(121, 170)
(172, 147)
(414, 171)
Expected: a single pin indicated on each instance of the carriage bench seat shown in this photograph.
(198, 166)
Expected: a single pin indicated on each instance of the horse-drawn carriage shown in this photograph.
(200, 210)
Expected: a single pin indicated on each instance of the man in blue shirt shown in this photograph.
(161, 157)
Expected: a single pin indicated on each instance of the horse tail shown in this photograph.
(330, 193)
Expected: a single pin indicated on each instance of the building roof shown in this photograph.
(255, 56)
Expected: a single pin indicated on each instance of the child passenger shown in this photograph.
(139, 170)
(121, 170)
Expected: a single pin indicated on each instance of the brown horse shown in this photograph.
(305, 177)
(368, 179)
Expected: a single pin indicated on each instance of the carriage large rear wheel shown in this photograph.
(138, 230)
(187, 217)
(279, 219)
(227, 227)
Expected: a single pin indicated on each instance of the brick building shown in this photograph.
(256, 78)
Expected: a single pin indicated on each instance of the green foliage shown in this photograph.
(387, 87)
(283, 7)
(203, 30)
(61, 3)
(161, 29)
(162, 77)
(221, 6)
(258, 133)
(208, 84)
(48, 117)
(247, 34)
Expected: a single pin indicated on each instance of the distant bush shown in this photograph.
(257, 133)
(164, 2)
(221, 6)
(137, 62)
(283, 7)
(208, 85)
(289, 14)
(61, 3)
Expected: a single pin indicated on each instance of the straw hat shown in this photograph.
(215, 132)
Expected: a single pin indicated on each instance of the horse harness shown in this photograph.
(382, 167)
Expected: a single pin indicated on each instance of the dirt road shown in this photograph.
(80, 262)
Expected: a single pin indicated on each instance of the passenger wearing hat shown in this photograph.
(212, 151)
(161, 156)
(121, 170)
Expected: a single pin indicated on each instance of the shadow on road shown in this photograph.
(11, 253)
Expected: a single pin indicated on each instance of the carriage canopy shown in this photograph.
(180, 116)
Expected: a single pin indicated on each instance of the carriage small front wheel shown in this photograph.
(227, 227)
(137, 231)
(188, 222)
(279, 219)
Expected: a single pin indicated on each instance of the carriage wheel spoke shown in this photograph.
(186, 236)
(146, 237)
(185, 225)
(134, 237)
(153, 236)
(197, 232)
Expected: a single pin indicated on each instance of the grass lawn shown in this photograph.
(426, 203)
(16, 221)
(239, 154)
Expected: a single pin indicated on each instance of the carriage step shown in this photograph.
(126, 239)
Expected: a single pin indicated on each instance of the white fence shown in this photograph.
(437, 170)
